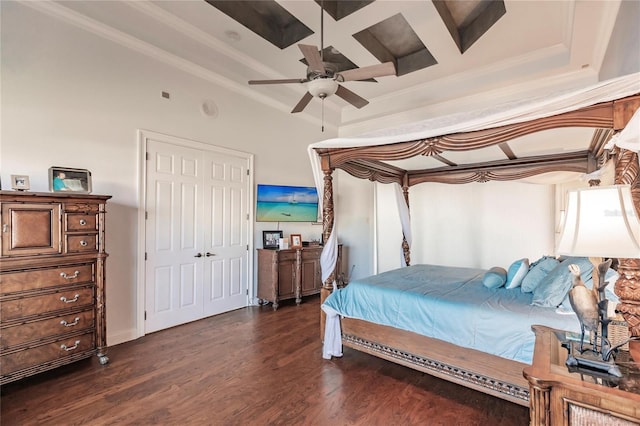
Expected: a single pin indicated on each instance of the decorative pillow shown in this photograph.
(516, 273)
(555, 286)
(494, 277)
(537, 271)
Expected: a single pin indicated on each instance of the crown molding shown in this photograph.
(107, 32)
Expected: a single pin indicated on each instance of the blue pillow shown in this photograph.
(516, 273)
(537, 271)
(555, 286)
(494, 277)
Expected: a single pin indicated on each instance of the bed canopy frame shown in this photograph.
(366, 162)
(468, 367)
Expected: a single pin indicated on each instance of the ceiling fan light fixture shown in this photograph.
(322, 87)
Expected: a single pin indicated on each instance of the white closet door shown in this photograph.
(174, 273)
(197, 233)
(226, 232)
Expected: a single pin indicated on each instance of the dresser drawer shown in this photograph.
(81, 207)
(41, 329)
(80, 222)
(13, 282)
(36, 305)
(81, 243)
(285, 255)
(62, 348)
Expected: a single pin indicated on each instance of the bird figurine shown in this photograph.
(584, 304)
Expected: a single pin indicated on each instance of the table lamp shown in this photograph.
(600, 222)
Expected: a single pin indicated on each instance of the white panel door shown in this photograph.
(174, 275)
(196, 234)
(226, 254)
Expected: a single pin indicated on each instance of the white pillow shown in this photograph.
(516, 273)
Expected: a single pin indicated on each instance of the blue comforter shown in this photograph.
(451, 304)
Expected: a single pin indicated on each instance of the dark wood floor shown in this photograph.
(253, 366)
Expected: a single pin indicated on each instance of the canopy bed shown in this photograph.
(607, 106)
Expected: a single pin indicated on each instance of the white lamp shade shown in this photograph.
(322, 87)
(601, 222)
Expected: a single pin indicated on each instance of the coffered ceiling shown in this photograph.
(443, 50)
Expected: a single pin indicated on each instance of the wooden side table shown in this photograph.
(561, 397)
(290, 273)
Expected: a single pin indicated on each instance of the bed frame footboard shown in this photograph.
(477, 370)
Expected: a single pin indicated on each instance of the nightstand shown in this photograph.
(561, 397)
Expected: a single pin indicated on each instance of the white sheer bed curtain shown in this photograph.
(405, 219)
(499, 115)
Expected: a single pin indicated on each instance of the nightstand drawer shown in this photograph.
(40, 305)
(81, 243)
(80, 222)
(13, 282)
(38, 330)
(49, 352)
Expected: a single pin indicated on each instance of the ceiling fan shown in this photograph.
(324, 80)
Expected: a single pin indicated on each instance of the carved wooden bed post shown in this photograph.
(405, 245)
(327, 228)
(627, 287)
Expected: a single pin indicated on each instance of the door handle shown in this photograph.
(209, 254)
(198, 255)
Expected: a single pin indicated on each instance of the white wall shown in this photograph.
(354, 223)
(389, 254)
(475, 225)
(73, 99)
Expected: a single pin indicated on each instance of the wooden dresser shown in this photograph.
(581, 397)
(52, 281)
(290, 273)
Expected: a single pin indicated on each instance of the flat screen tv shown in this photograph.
(286, 204)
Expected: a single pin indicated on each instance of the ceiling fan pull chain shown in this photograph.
(322, 114)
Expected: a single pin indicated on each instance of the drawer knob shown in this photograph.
(83, 243)
(70, 324)
(70, 348)
(75, 299)
(83, 222)
(69, 277)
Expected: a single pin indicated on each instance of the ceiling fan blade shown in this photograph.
(365, 73)
(303, 102)
(352, 98)
(313, 58)
(288, 80)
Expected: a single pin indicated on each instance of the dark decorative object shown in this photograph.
(270, 239)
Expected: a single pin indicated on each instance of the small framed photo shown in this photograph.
(20, 182)
(270, 239)
(62, 179)
(295, 241)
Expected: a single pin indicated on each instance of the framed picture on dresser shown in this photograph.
(296, 241)
(20, 182)
(63, 179)
(270, 239)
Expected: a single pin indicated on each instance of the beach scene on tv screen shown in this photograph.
(286, 204)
